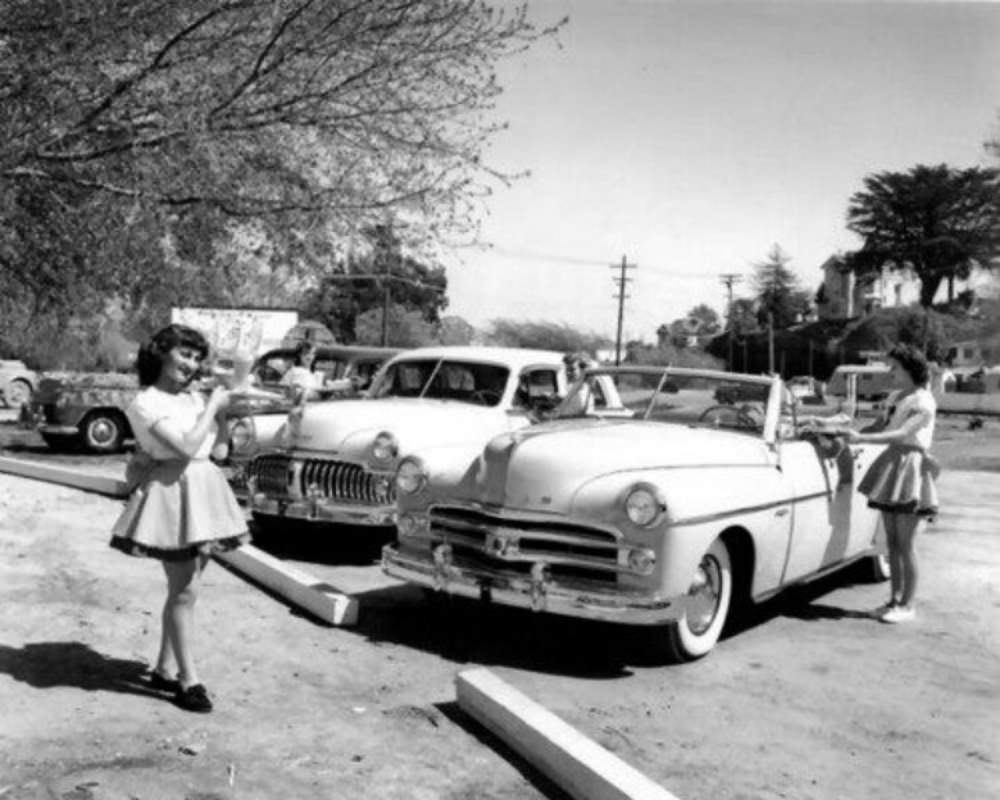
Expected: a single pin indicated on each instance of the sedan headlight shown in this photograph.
(242, 436)
(385, 447)
(644, 505)
(411, 477)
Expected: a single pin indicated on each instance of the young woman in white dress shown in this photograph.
(181, 509)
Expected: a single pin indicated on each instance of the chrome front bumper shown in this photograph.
(319, 512)
(536, 592)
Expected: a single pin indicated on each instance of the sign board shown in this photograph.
(232, 331)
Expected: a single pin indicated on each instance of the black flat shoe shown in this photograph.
(194, 698)
(161, 684)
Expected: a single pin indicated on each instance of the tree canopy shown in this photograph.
(164, 151)
(936, 220)
(779, 296)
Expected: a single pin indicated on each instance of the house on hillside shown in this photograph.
(844, 295)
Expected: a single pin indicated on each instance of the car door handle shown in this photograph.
(781, 512)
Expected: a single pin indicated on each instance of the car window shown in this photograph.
(535, 385)
(469, 382)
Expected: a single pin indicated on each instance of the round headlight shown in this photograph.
(384, 448)
(411, 477)
(643, 505)
(241, 435)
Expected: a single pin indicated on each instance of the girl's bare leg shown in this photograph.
(178, 615)
(908, 526)
(889, 521)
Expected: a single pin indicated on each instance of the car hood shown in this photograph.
(415, 422)
(543, 468)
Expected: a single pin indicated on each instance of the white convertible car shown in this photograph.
(659, 506)
(338, 459)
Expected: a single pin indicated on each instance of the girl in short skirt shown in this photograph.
(900, 482)
(182, 509)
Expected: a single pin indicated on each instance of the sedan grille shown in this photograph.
(341, 481)
(481, 539)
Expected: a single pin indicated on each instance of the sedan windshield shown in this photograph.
(712, 400)
(464, 381)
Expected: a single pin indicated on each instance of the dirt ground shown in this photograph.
(808, 699)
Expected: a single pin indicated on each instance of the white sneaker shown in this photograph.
(881, 611)
(898, 614)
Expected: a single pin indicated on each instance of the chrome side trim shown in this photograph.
(719, 515)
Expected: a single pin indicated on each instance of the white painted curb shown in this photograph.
(66, 476)
(297, 586)
(577, 764)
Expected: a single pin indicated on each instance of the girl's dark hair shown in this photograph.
(151, 354)
(301, 350)
(913, 361)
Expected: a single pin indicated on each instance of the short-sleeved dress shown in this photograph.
(901, 479)
(181, 507)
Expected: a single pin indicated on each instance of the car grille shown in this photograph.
(480, 539)
(286, 476)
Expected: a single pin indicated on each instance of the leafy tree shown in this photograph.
(361, 284)
(407, 328)
(937, 221)
(140, 139)
(702, 320)
(543, 335)
(743, 317)
(779, 297)
(455, 331)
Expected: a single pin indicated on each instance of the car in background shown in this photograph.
(255, 416)
(86, 411)
(336, 461)
(664, 509)
(17, 382)
(869, 382)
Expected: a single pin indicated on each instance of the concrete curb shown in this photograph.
(65, 476)
(296, 586)
(579, 765)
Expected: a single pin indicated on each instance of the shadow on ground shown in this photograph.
(469, 631)
(322, 544)
(46, 665)
(453, 712)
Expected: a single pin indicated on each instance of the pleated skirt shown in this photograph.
(902, 480)
(181, 509)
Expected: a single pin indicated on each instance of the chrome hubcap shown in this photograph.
(704, 595)
(102, 431)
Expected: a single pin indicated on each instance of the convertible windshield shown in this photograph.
(713, 400)
(464, 381)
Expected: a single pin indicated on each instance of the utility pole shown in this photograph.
(770, 343)
(621, 280)
(728, 279)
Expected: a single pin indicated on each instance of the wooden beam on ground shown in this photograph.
(579, 765)
(295, 585)
(66, 476)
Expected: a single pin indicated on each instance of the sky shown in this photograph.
(691, 137)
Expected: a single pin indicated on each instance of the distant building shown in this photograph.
(843, 294)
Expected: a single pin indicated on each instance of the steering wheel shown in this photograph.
(487, 397)
(729, 416)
